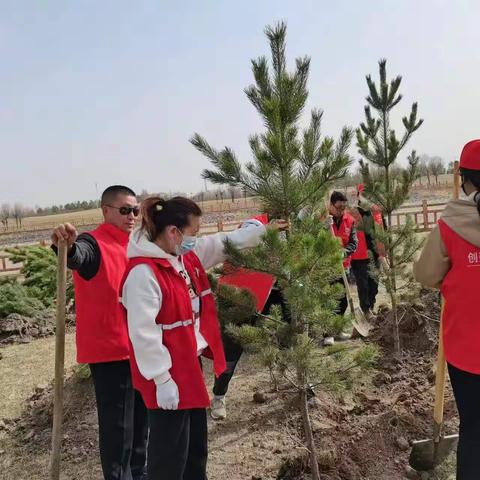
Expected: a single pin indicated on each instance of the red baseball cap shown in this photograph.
(470, 157)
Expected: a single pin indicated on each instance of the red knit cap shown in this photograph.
(470, 158)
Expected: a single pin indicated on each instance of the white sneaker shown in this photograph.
(218, 410)
(328, 341)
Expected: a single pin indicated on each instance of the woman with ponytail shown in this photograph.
(450, 261)
(172, 320)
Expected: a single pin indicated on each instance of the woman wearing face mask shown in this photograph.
(172, 320)
(450, 261)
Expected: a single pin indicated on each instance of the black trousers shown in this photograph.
(342, 302)
(466, 388)
(122, 421)
(178, 444)
(367, 284)
(233, 350)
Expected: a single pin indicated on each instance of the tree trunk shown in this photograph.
(307, 428)
(387, 186)
(393, 298)
(392, 291)
(396, 328)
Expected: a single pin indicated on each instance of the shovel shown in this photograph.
(427, 454)
(359, 322)
(59, 361)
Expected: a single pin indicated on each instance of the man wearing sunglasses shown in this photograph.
(98, 259)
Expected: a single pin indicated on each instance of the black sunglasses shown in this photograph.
(127, 210)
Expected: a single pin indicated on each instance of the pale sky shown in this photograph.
(102, 92)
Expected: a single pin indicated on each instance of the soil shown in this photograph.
(363, 435)
(418, 324)
(17, 328)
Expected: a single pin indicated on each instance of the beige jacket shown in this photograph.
(463, 218)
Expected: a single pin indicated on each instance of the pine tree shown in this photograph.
(380, 147)
(290, 171)
(39, 269)
(17, 298)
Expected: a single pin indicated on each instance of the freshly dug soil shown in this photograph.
(17, 328)
(418, 324)
(369, 434)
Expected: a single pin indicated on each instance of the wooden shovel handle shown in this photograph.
(347, 291)
(59, 361)
(441, 375)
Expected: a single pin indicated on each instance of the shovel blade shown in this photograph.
(427, 454)
(361, 324)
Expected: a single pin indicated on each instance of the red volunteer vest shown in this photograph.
(361, 253)
(344, 233)
(461, 322)
(101, 331)
(176, 320)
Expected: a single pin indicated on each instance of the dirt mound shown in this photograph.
(369, 434)
(418, 324)
(17, 328)
(33, 429)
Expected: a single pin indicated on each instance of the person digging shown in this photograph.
(343, 228)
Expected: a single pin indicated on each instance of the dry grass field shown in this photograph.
(94, 216)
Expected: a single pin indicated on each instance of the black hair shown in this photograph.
(473, 176)
(111, 193)
(157, 214)
(337, 197)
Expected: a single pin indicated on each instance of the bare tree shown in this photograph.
(436, 167)
(18, 213)
(424, 168)
(5, 213)
(396, 173)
